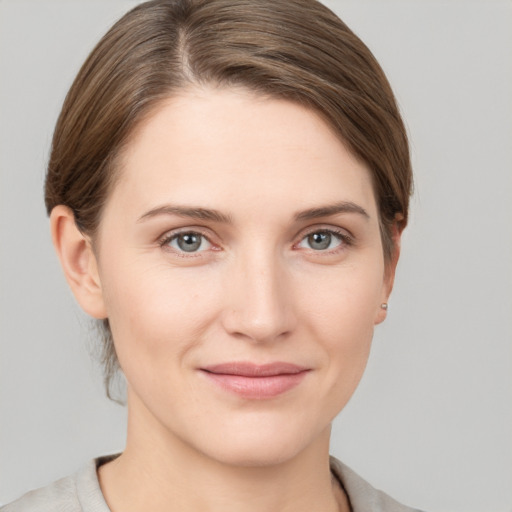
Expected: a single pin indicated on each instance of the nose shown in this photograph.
(259, 306)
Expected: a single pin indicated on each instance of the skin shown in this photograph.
(258, 289)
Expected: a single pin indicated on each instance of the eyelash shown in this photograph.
(345, 239)
(166, 239)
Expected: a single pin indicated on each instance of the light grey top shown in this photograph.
(81, 493)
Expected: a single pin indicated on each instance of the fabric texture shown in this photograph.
(81, 492)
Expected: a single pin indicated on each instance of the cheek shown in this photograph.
(340, 314)
(159, 312)
(344, 299)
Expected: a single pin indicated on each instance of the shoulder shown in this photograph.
(364, 497)
(79, 492)
(60, 495)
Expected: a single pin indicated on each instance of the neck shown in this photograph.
(160, 472)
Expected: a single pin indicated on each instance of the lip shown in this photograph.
(254, 381)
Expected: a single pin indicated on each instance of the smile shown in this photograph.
(256, 382)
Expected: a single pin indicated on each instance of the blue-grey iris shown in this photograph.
(319, 241)
(189, 242)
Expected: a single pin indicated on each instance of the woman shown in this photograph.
(227, 188)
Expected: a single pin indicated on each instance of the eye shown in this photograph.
(323, 240)
(190, 242)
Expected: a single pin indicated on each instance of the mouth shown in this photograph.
(253, 381)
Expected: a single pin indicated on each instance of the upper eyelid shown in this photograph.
(337, 230)
(171, 233)
(165, 240)
(346, 239)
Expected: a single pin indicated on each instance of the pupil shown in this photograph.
(319, 241)
(189, 242)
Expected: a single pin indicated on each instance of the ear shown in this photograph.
(78, 261)
(390, 269)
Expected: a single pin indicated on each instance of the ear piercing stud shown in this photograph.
(384, 306)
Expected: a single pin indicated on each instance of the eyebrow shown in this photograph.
(333, 209)
(193, 212)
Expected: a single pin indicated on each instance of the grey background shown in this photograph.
(432, 420)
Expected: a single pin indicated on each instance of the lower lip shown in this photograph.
(257, 388)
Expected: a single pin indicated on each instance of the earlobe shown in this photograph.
(381, 313)
(78, 261)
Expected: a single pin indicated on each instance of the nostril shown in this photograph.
(258, 305)
(260, 328)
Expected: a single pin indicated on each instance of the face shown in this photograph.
(242, 272)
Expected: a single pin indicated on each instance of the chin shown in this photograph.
(262, 443)
(260, 454)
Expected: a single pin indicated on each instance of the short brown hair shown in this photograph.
(297, 50)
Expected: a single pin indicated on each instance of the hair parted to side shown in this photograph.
(292, 49)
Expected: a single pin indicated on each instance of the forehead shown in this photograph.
(216, 145)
